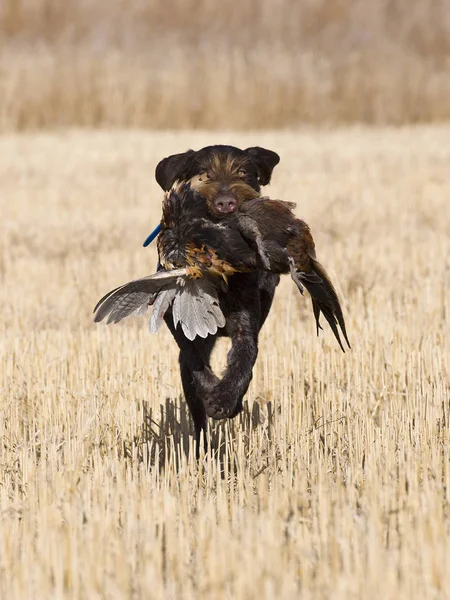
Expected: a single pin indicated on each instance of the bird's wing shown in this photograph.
(134, 296)
(195, 304)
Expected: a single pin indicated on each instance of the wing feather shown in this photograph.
(134, 295)
(162, 303)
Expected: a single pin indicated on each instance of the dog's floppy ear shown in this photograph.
(171, 168)
(265, 160)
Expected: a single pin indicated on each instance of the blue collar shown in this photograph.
(152, 236)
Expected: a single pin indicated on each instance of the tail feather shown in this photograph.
(334, 299)
(324, 300)
(316, 310)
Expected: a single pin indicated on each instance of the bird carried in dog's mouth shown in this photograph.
(201, 244)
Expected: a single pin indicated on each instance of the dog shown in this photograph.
(224, 176)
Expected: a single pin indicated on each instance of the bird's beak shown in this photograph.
(152, 236)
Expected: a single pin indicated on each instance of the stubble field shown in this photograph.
(334, 481)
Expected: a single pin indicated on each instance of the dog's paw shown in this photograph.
(218, 405)
(217, 412)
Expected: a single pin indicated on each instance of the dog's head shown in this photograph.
(224, 175)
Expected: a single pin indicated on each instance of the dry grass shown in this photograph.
(252, 64)
(335, 481)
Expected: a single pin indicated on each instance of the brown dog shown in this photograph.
(223, 175)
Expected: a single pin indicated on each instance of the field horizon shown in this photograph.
(334, 481)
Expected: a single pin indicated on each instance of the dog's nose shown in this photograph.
(225, 204)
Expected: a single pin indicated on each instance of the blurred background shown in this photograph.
(207, 64)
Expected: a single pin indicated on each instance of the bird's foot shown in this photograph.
(296, 276)
(263, 253)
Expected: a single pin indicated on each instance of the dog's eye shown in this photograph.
(203, 176)
(242, 173)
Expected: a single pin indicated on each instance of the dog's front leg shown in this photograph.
(224, 400)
